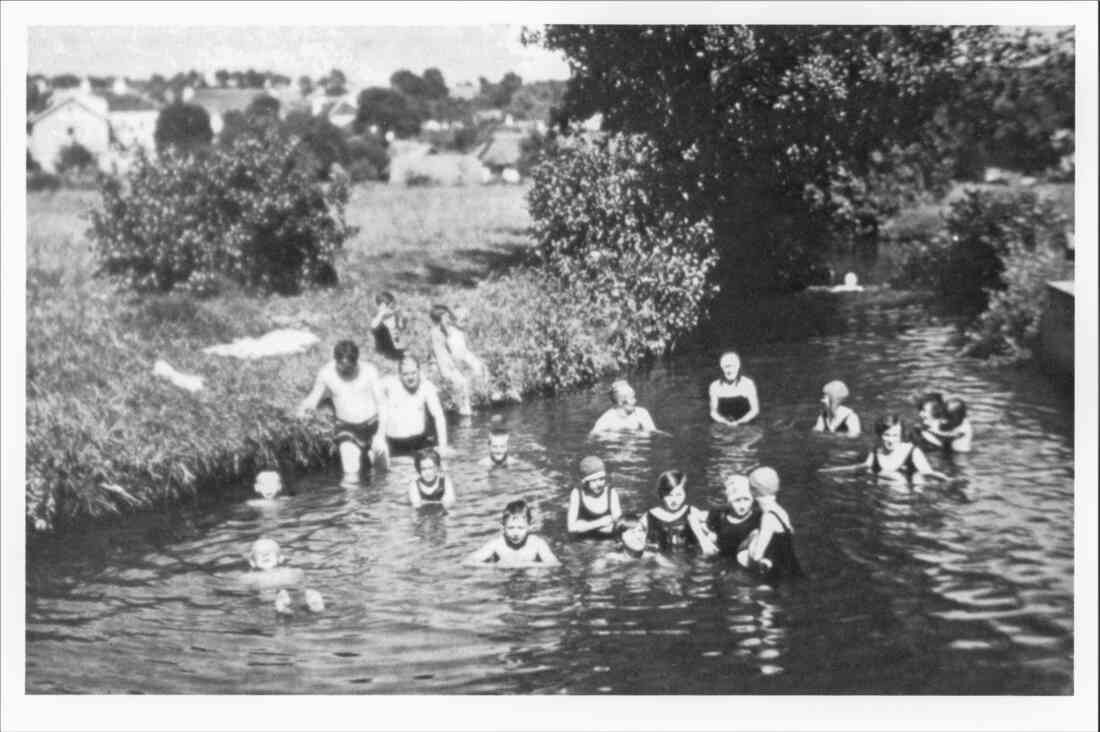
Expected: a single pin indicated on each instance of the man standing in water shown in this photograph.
(410, 400)
(356, 392)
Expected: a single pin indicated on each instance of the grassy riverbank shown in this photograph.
(105, 435)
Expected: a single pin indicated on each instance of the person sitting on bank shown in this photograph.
(625, 415)
(388, 328)
(457, 364)
(358, 403)
(733, 399)
(835, 416)
(410, 401)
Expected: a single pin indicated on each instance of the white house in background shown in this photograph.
(109, 125)
(465, 90)
(340, 111)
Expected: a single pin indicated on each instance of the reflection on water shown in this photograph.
(940, 591)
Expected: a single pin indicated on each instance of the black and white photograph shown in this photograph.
(612, 365)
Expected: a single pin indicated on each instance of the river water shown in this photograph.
(939, 591)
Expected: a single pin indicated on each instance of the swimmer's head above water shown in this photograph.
(738, 493)
(516, 523)
(890, 430)
(672, 489)
(268, 484)
(409, 373)
(427, 462)
(593, 475)
(632, 535)
(834, 394)
(622, 395)
(498, 444)
(730, 363)
(265, 555)
(764, 482)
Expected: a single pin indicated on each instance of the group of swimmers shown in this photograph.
(384, 418)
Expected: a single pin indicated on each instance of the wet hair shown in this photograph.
(887, 421)
(345, 350)
(438, 311)
(516, 508)
(954, 412)
(409, 358)
(428, 453)
(385, 298)
(669, 480)
(935, 399)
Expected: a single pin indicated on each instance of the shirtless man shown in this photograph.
(356, 393)
(410, 400)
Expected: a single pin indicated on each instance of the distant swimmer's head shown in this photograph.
(427, 464)
(738, 492)
(409, 372)
(672, 489)
(265, 555)
(834, 394)
(954, 412)
(516, 522)
(851, 280)
(764, 481)
(346, 356)
(622, 395)
(730, 363)
(268, 484)
(498, 444)
(890, 430)
(632, 534)
(593, 475)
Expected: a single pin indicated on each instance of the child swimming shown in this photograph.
(674, 524)
(731, 527)
(950, 429)
(771, 550)
(268, 484)
(593, 506)
(431, 485)
(631, 533)
(265, 559)
(516, 546)
(498, 456)
(625, 415)
(733, 398)
(834, 416)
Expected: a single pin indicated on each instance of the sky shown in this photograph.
(366, 55)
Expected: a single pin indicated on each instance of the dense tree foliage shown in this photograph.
(183, 126)
(780, 135)
(388, 109)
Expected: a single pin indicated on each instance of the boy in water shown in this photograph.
(498, 456)
(626, 415)
(357, 401)
(631, 532)
(268, 484)
(516, 546)
(265, 559)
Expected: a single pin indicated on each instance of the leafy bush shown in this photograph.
(597, 228)
(250, 214)
(368, 158)
(965, 261)
(74, 157)
(183, 126)
(1009, 327)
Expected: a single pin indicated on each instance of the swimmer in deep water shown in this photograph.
(516, 546)
(625, 415)
(835, 416)
(265, 559)
(674, 523)
(358, 402)
(893, 457)
(952, 431)
(268, 484)
(930, 413)
(732, 527)
(594, 507)
(771, 550)
(631, 532)
(499, 445)
(733, 398)
(431, 484)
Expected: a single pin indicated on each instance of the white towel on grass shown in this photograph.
(276, 343)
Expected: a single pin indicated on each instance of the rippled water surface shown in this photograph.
(941, 591)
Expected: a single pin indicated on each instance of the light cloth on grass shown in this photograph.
(190, 382)
(276, 343)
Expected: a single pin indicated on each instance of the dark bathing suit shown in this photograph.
(386, 344)
(435, 496)
(781, 553)
(840, 428)
(361, 434)
(410, 445)
(670, 534)
(732, 535)
(584, 513)
(907, 467)
(733, 407)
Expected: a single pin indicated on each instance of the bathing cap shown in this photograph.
(764, 481)
(264, 545)
(591, 467)
(837, 390)
(737, 482)
(621, 386)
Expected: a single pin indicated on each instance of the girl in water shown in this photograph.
(834, 416)
(674, 524)
(948, 428)
(732, 527)
(771, 550)
(893, 457)
(431, 485)
(594, 506)
(733, 398)
(631, 533)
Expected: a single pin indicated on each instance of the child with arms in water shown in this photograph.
(431, 485)
(893, 457)
(516, 546)
(594, 507)
(267, 573)
(631, 532)
(731, 528)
